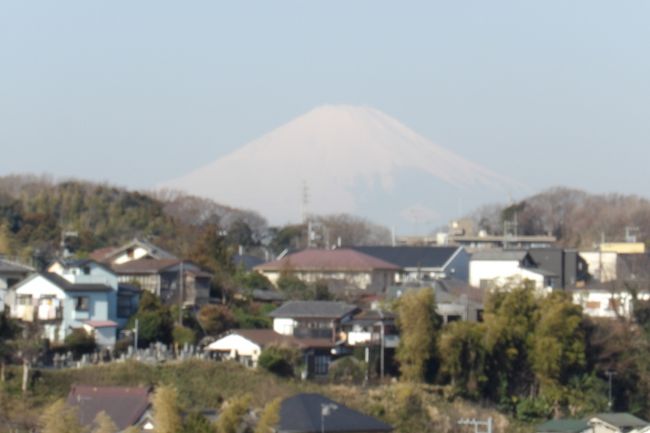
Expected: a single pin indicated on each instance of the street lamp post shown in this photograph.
(609, 374)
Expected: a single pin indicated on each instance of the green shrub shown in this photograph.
(348, 370)
(280, 360)
(79, 342)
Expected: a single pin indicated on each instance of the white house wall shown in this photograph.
(138, 253)
(601, 265)
(284, 326)
(98, 275)
(236, 345)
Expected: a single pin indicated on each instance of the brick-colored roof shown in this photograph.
(125, 405)
(344, 259)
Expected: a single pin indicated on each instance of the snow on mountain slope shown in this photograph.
(343, 154)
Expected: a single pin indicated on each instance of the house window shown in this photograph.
(81, 303)
(24, 299)
(321, 364)
(86, 270)
(129, 253)
(124, 309)
(485, 284)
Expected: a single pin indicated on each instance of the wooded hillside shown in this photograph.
(578, 219)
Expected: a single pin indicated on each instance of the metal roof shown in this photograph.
(411, 257)
(497, 254)
(621, 419)
(314, 309)
(563, 426)
(304, 413)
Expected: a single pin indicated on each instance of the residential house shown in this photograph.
(135, 250)
(564, 426)
(615, 422)
(246, 345)
(495, 268)
(126, 406)
(312, 319)
(455, 299)
(372, 327)
(79, 294)
(314, 413)
(168, 278)
(341, 269)
(423, 262)
(568, 266)
(605, 300)
(10, 273)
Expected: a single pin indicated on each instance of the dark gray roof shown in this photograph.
(126, 287)
(7, 266)
(543, 272)
(315, 309)
(563, 426)
(411, 257)
(621, 419)
(70, 287)
(268, 295)
(302, 413)
(497, 254)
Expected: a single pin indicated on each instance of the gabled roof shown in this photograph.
(303, 413)
(621, 420)
(108, 253)
(412, 257)
(563, 426)
(68, 263)
(145, 266)
(345, 259)
(66, 285)
(124, 405)
(265, 337)
(154, 266)
(9, 267)
(498, 254)
(314, 309)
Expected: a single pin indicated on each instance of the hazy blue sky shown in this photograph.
(137, 92)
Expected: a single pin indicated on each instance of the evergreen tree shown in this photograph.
(418, 323)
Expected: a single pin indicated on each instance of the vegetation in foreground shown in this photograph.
(202, 385)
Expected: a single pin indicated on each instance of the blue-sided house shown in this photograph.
(70, 295)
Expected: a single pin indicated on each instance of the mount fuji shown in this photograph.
(350, 159)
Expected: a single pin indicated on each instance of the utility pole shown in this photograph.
(478, 423)
(180, 295)
(135, 340)
(609, 374)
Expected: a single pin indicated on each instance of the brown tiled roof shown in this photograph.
(145, 266)
(102, 253)
(328, 260)
(124, 405)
